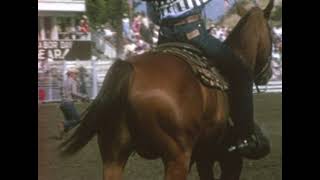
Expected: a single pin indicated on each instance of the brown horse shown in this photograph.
(153, 104)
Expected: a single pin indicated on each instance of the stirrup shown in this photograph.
(243, 144)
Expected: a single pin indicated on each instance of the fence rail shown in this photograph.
(50, 83)
(271, 87)
(265, 89)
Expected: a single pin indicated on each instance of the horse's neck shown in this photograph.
(244, 43)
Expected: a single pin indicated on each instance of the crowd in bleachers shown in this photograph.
(135, 40)
(222, 32)
(80, 32)
(219, 32)
(140, 34)
(277, 53)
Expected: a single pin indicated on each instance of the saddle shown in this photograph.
(208, 75)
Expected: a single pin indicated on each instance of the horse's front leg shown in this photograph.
(231, 166)
(204, 168)
(177, 168)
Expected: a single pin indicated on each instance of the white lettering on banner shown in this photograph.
(54, 44)
(57, 53)
(41, 54)
(53, 49)
(40, 45)
(50, 54)
(50, 44)
(65, 44)
(66, 51)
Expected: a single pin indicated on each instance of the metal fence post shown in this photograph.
(49, 86)
(94, 79)
(64, 69)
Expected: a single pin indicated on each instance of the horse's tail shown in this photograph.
(112, 96)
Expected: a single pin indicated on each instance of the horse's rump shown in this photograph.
(171, 108)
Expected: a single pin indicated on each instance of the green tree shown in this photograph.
(102, 11)
(277, 13)
(111, 11)
(96, 11)
(118, 8)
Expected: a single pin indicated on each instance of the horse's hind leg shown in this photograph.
(115, 149)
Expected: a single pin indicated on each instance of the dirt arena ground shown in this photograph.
(86, 165)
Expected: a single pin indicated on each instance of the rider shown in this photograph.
(183, 21)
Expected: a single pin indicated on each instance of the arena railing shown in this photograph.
(96, 70)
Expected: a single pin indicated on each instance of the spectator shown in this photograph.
(145, 31)
(278, 31)
(85, 24)
(108, 30)
(136, 26)
(219, 32)
(42, 95)
(70, 93)
(144, 20)
(82, 80)
(43, 66)
(109, 34)
(126, 27)
(155, 34)
(83, 28)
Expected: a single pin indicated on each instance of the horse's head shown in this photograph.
(252, 40)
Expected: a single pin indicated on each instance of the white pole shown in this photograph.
(94, 79)
(73, 27)
(64, 70)
(42, 30)
(50, 86)
(54, 28)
